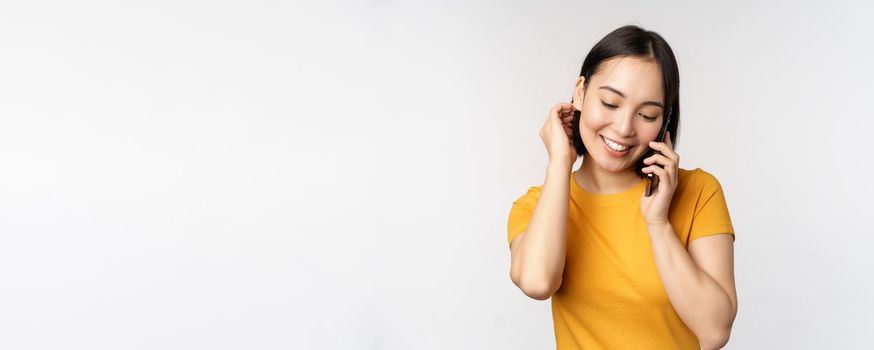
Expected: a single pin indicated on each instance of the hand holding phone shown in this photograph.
(652, 179)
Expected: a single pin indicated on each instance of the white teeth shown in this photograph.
(614, 146)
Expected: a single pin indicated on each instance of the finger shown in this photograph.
(666, 175)
(662, 174)
(558, 110)
(663, 163)
(563, 107)
(658, 146)
(665, 149)
(655, 169)
(562, 115)
(659, 159)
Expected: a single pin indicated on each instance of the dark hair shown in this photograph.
(636, 42)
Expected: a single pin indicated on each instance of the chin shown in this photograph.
(616, 167)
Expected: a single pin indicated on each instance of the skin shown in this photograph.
(699, 281)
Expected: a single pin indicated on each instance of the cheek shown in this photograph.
(593, 119)
(649, 132)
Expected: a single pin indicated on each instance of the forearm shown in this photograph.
(700, 302)
(542, 250)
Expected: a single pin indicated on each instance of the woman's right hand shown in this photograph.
(557, 134)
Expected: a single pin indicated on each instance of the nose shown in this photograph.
(625, 125)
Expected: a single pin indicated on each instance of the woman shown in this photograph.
(625, 270)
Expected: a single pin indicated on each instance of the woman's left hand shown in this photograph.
(655, 207)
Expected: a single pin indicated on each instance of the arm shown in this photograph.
(699, 283)
(538, 254)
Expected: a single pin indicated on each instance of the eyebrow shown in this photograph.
(651, 103)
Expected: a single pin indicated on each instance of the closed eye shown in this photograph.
(609, 105)
(645, 117)
(648, 118)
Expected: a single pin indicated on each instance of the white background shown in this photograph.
(338, 175)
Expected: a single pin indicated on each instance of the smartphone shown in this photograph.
(652, 180)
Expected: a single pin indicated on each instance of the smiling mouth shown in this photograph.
(615, 146)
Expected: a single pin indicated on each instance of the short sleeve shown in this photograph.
(520, 213)
(711, 212)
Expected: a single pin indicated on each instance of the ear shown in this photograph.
(579, 93)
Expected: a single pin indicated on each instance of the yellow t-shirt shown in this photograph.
(611, 296)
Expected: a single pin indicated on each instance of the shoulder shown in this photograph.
(697, 176)
(529, 199)
(702, 207)
(697, 181)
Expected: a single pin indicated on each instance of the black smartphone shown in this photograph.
(653, 180)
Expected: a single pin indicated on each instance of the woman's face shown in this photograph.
(622, 111)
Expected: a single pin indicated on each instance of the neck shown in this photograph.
(598, 180)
